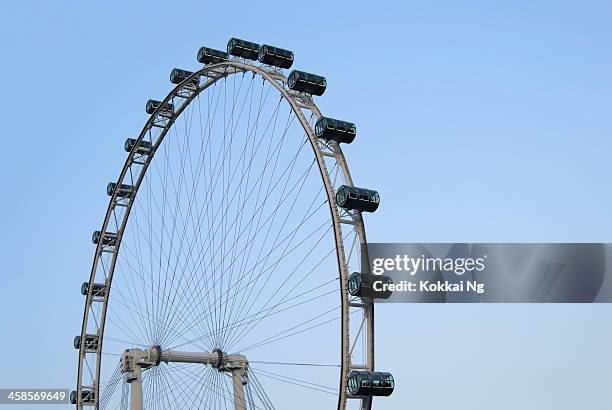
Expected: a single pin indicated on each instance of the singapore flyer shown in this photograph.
(232, 229)
(305, 205)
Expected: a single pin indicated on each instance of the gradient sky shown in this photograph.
(478, 121)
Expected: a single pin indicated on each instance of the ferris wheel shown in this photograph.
(229, 270)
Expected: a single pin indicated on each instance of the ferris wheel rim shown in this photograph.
(296, 102)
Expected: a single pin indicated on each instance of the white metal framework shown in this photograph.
(111, 300)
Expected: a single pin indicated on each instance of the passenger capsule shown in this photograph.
(87, 396)
(211, 56)
(358, 199)
(98, 291)
(307, 83)
(364, 383)
(362, 285)
(144, 147)
(91, 343)
(177, 76)
(337, 130)
(275, 56)
(122, 192)
(152, 105)
(109, 238)
(243, 48)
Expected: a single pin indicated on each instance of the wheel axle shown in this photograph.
(134, 361)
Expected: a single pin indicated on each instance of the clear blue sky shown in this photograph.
(478, 121)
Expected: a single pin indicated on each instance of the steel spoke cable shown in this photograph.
(249, 396)
(164, 306)
(284, 256)
(250, 88)
(288, 254)
(145, 281)
(288, 244)
(136, 309)
(156, 374)
(294, 364)
(149, 318)
(254, 316)
(123, 326)
(254, 149)
(292, 334)
(217, 213)
(237, 227)
(304, 277)
(259, 111)
(177, 196)
(131, 305)
(123, 341)
(228, 184)
(200, 167)
(147, 240)
(266, 372)
(247, 315)
(217, 389)
(149, 237)
(307, 321)
(139, 259)
(282, 194)
(177, 200)
(260, 392)
(246, 184)
(185, 220)
(203, 394)
(199, 224)
(210, 228)
(227, 254)
(133, 301)
(149, 202)
(297, 384)
(212, 197)
(128, 335)
(185, 387)
(220, 342)
(144, 323)
(150, 386)
(224, 256)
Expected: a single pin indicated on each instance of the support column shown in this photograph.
(238, 387)
(136, 389)
(133, 361)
